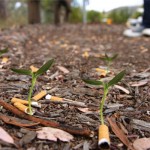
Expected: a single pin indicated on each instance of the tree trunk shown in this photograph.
(34, 11)
(3, 10)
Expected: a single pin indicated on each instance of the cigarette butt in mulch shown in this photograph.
(39, 95)
(103, 137)
(24, 102)
(4, 60)
(14, 100)
(34, 69)
(23, 108)
(103, 72)
(85, 54)
(53, 98)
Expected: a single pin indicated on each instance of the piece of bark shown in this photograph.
(72, 130)
(11, 120)
(28, 138)
(140, 124)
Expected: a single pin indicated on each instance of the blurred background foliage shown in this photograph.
(119, 16)
(76, 15)
(17, 13)
(94, 16)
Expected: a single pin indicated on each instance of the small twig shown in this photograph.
(72, 130)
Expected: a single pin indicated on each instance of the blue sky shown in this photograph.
(106, 5)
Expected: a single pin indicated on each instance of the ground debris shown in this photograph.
(141, 125)
(33, 45)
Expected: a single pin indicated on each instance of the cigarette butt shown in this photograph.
(103, 72)
(14, 100)
(39, 95)
(4, 60)
(36, 104)
(34, 69)
(53, 98)
(23, 108)
(85, 54)
(103, 137)
(24, 102)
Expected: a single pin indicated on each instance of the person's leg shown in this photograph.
(57, 6)
(146, 14)
(67, 7)
(144, 28)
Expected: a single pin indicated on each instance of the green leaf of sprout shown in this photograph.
(45, 67)
(117, 78)
(22, 71)
(109, 59)
(92, 82)
(113, 57)
(3, 51)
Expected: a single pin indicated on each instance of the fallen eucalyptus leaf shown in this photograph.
(122, 89)
(53, 134)
(63, 69)
(142, 144)
(4, 136)
(139, 83)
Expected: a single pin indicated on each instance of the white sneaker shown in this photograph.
(131, 33)
(146, 32)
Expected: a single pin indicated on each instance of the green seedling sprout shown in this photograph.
(103, 139)
(106, 86)
(34, 76)
(108, 60)
(3, 51)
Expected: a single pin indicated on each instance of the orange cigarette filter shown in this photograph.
(4, 60)
(103, 137)
(85, 54)
(24, 102)
(14, 100)
(53, 98)
(34, 69)
(23, 108)
(39, 95)
(103, 72)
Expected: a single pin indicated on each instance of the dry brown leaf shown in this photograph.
(142, 144)
(139, 83)
(63, 69)
(119, 133)
(53, 134)
(4, 136)
(122, 89)
(86, 110)
(13, 121)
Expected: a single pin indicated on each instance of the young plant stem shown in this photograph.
(30, 93)
(108, 66)
(102, 103)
